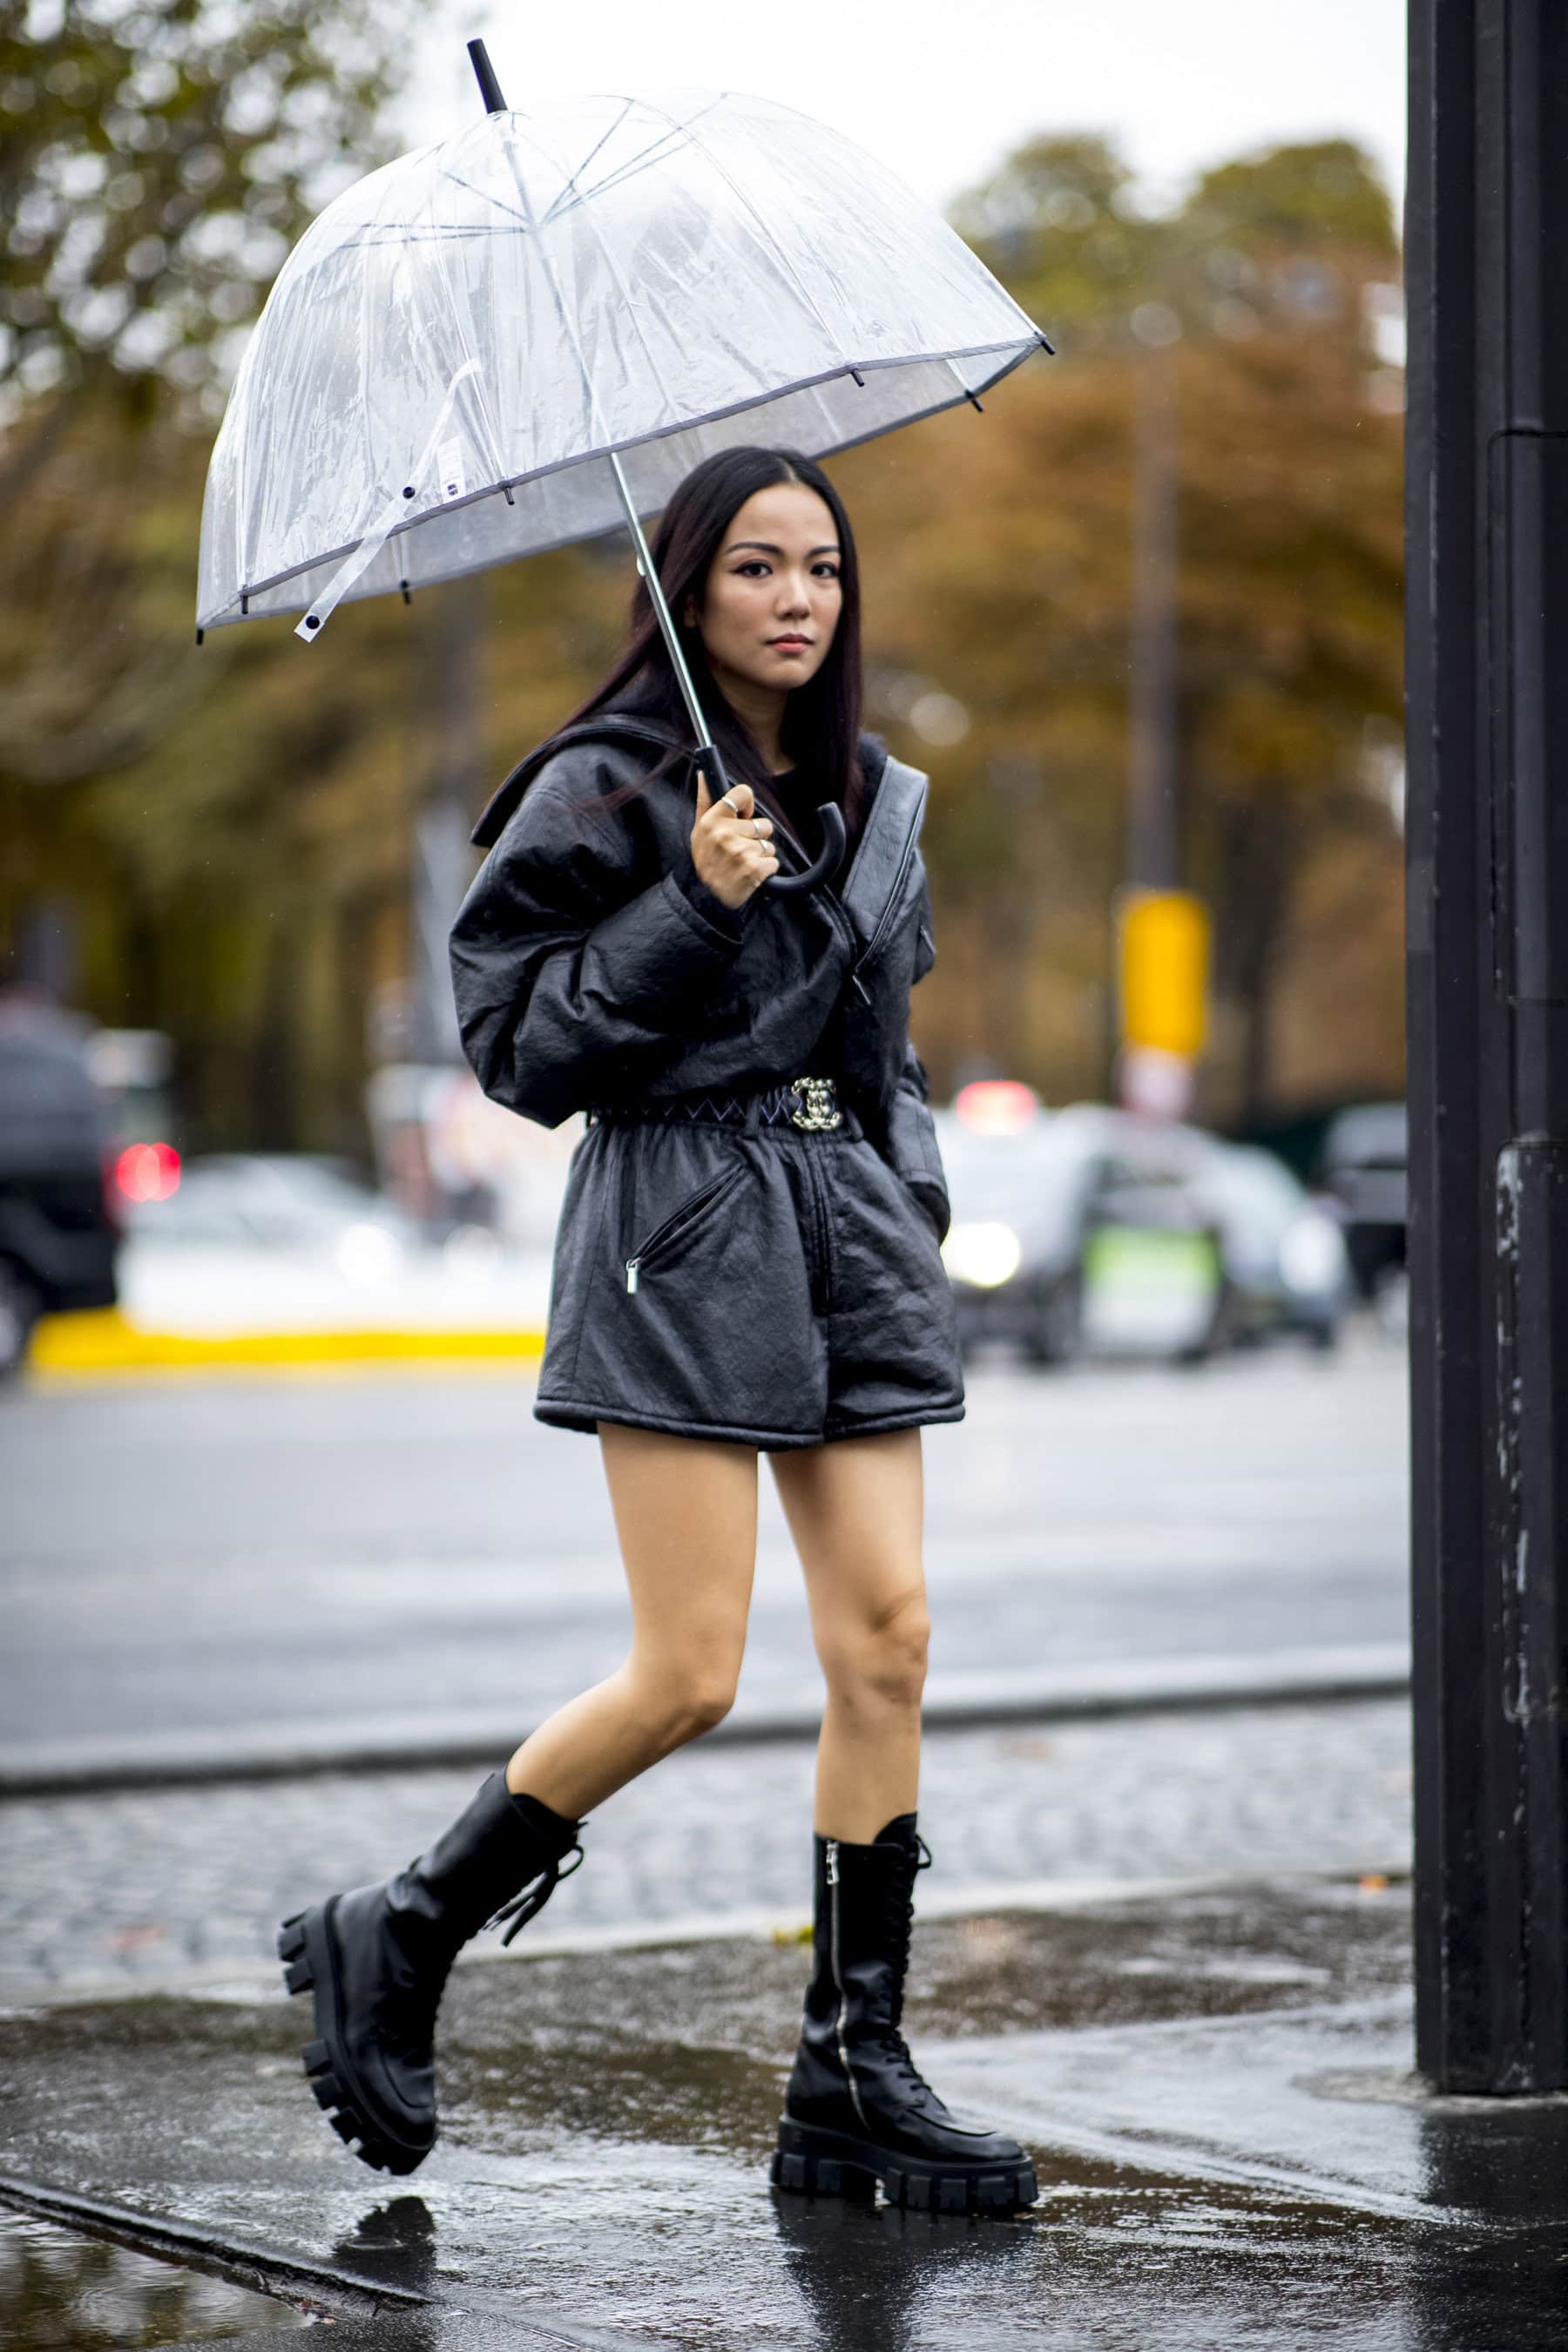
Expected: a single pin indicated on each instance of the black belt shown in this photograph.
(810, 1104)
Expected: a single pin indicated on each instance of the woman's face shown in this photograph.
(773, 594)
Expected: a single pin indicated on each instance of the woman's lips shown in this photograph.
(789, 645)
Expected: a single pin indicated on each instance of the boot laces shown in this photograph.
(536, 1893)
(900, 1928)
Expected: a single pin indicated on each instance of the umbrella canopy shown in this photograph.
(507, 341)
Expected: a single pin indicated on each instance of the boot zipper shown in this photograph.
(838, 1980)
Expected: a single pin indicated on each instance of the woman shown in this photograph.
(747, 1261)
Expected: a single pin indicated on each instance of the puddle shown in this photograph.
(60, 2292)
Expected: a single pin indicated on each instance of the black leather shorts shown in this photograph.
(761, 1283)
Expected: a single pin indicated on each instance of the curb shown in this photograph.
(95, 1344)
(370, 2310)
(976, 1702)
(757, 1923)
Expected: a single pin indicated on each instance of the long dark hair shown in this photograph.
(821, 730)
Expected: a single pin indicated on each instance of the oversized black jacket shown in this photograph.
(591, 965)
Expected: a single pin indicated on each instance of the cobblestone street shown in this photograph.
(159, 1889)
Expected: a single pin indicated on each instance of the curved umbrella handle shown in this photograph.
(710, 761)
(833, 837)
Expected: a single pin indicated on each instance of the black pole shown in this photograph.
(1151, 850)
(485, 75)
(1487, 917)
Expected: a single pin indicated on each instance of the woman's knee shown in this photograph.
(680, 1700)
(879, 1660)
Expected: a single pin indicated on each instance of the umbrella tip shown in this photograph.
(485, 75)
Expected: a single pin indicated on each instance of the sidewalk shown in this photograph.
(180, 1888)
(1214, 2088)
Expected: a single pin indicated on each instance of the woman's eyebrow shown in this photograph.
(767, 548)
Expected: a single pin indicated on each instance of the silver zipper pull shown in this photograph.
(632, 1265)
(833, 1862)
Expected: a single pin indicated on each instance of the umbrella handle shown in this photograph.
(834, 838)
(711, 762)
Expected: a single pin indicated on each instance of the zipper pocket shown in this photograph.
(662, 1235)
(875, 943)
(854, 2088)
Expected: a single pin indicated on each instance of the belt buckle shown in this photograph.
(821, 1111)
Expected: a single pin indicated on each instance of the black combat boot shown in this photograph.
(857, 2111)
(376, 1960)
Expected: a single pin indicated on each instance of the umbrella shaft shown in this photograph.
(665, 619)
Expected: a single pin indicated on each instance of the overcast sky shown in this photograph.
(940, 89)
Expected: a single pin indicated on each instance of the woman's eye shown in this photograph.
(755, 565)
(827, 570)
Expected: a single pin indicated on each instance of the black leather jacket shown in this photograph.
(591, 965)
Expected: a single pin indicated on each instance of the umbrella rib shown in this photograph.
(632, 311)
(674, 135)
(525, 220)
(765, 233)
(627, 106)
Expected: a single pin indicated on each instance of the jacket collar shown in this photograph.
(887, 839)
(612, 725)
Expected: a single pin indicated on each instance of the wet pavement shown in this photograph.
(1214, 2087)
(61, 2291)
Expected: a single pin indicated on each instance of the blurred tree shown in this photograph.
(157, 159)
(1267, 294)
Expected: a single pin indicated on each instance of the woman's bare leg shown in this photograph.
(855, 1509)
(685, 1513)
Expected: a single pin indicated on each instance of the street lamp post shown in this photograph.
(1487, 915)
(1152, 855)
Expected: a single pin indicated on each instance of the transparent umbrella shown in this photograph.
(529, 334)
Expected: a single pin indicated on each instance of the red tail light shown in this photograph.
(147, 1171)
(997, 1105)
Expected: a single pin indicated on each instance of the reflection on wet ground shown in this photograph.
(61, 2292)
(1229, 2150)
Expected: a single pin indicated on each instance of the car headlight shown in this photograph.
(368, 1253)
(985, 1255)
(1311, 1257)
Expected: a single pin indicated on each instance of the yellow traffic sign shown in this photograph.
(1164, 970)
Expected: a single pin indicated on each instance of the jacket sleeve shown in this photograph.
(571, 971)
(912, 1149)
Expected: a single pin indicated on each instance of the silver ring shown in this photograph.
(729, 802)
(756, 828)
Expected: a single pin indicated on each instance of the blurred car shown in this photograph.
(302, 1202)
(1076, 1231)
(1362, 1166)
(58, 1236)
(1282, 1255)
(1091, 1230)
(1018, 1195)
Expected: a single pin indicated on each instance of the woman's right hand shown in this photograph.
(733, 856)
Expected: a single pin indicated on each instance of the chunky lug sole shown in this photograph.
(308, 1952)
(819, 2163)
